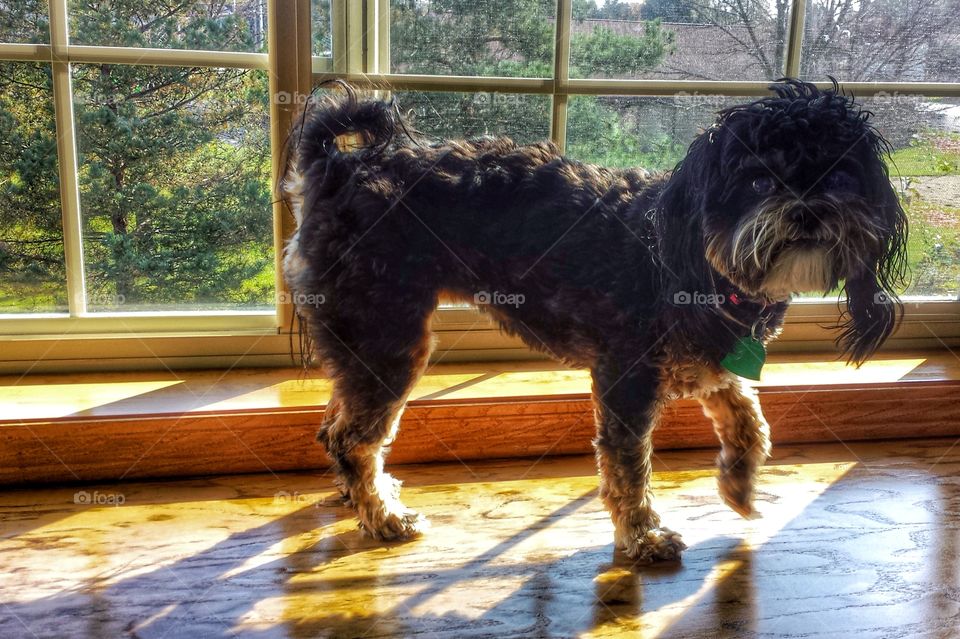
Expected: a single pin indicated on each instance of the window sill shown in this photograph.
(113, 426)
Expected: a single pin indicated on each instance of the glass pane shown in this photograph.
(925, 165)
(322, 28)
(175, 187)
(902, 40)
(24, 21)
(32, 271)
(441, 116)
(222, 25)
(472, 37)
(652, 133)
(677, 39)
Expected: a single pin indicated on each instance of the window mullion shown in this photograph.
(798, 10)
(67, 159)
(561, 73)
(289, 51)
(338, 27)
(382, 30)
(355, 32)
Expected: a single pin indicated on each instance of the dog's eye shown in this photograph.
(763, 185)
(840, 180)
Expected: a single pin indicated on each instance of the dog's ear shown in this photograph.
(870, 317)
(873, 307)
(679, 220)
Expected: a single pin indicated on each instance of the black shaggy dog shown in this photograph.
(661, 284)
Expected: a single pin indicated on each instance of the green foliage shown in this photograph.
(515, 39)
(322, 31)
(934, 248)
(24, 21)
(173, 168)
(605, 54)
(472, 37)
(929, 153)
(599, 132)
(167, 24)
(31, 248)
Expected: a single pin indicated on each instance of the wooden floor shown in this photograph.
(855, 541)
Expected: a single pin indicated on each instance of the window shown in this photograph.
(140, 142)
(135, 174)
(631, 84)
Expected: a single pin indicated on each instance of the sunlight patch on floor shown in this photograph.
(52, 401)
(819, 372)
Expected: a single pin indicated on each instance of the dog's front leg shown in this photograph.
(745, 441)
(627, 400)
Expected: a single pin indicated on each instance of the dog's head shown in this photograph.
(790, 194)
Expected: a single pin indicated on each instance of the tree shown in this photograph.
(173, 162)
(514, 39)
(32, 270)
(874, 40)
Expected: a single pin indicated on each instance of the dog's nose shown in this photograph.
(804, 219)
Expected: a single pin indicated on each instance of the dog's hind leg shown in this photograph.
(744, 439)
(375, 360)
(627, 403)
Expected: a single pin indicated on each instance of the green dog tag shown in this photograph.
(746, 359)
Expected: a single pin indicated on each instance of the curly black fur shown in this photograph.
(589, 264)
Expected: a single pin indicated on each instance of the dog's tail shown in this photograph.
(340, 124)
(332, 137)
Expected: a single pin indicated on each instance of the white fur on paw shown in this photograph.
(656, 544)
(406, 525)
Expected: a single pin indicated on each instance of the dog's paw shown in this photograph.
(736, 490)
(397, 526)
(656, 544)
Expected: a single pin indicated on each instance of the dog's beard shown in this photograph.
(799, 269)
(789, 245)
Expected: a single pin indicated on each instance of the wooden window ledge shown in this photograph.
(115, 426)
